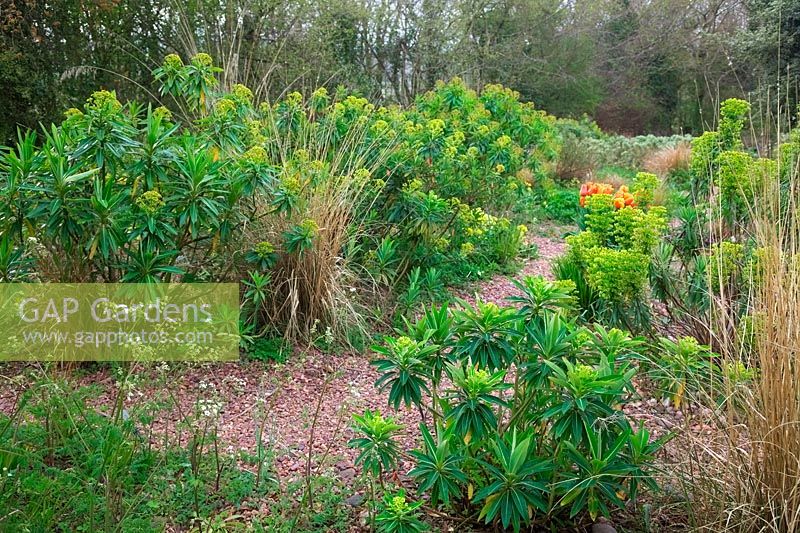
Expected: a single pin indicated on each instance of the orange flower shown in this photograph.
(591, 188)
(623, 198)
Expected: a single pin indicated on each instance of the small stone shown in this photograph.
(603, 527)
(347, 475)
(355, 500)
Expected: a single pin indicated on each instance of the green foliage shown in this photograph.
(725, 263)
(435, 327)
(460, 149)
(613, 348)
(539, 295)
(705, 267)
(732, 115)
(383, 262)
(549, 339)
(587, 149)
(570, 268)
(485, 335)
(304, 191)
(517, 483)
(597, 479)
(644, 186)
(399, 516)
(68, 466)
(438, 469)
(330, 512)
(561, 205)
(737, 184)
(266, 349)
(263, 255)
(618, 276)
(300, 237)
(600, 216)
(377, 450)
(516, 453)
(705, 150)
(682, 368)
(584, 395)
(476, 392)
(403, 369)
(90, 167)
(609, 261)
(719, 161)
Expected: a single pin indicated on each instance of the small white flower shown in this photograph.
(209, 409)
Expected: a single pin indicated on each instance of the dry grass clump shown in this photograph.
(314, 291)
(749, 479)
(575, 163)
(666, 160)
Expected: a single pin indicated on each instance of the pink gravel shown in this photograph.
(497, 289)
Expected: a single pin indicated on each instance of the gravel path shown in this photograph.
(499, 288)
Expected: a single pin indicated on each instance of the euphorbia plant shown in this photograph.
(487, 335)
(517, 453)
(683, 367)
(583, 396)
(439, 465)
(517, 485)
(610, 259)
(474, 400)
(378, 452)
(404, 368)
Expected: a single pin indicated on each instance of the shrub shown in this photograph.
(561, 205)
(619, 276)
(609, 261)
(303, 192)
(705, 150)
(554, 441)
(683, 368)
(644, 187)
(709, 257)
(587, 150)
